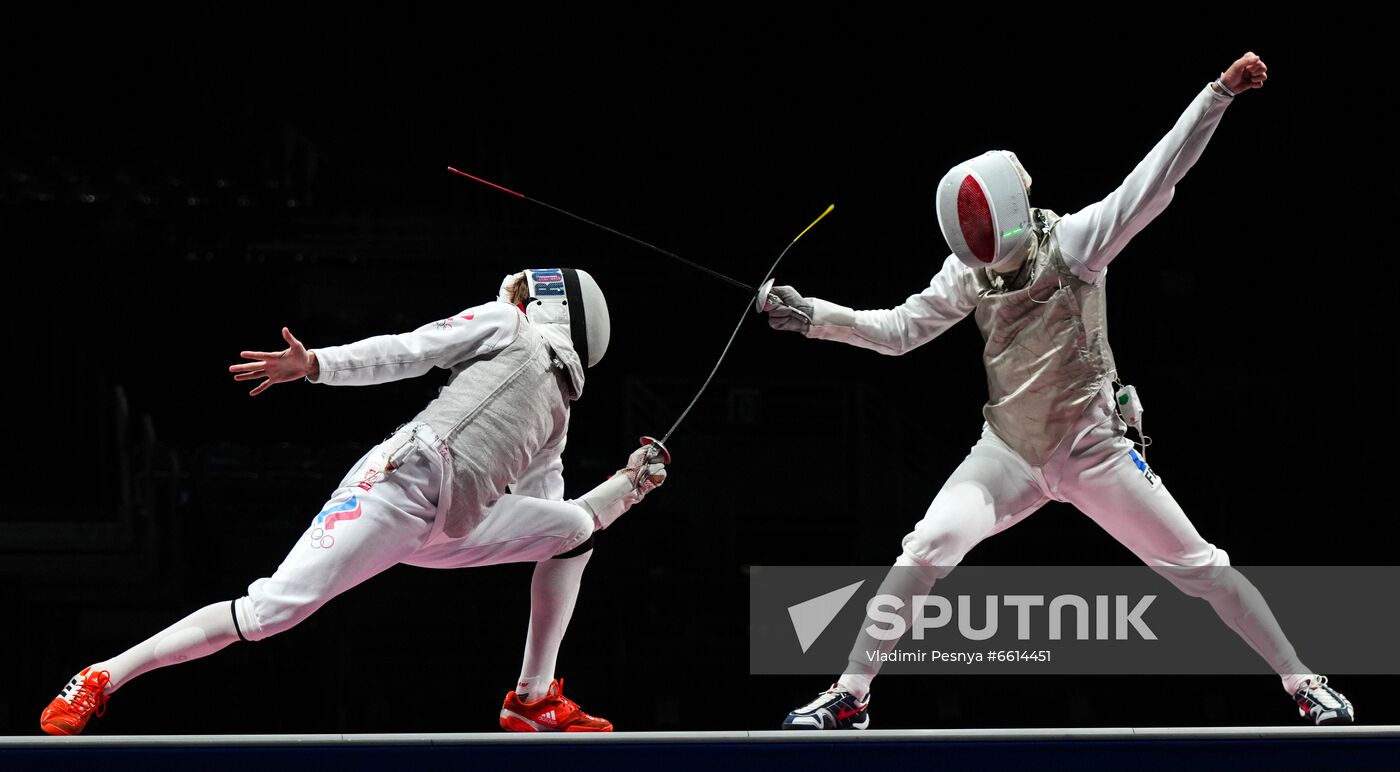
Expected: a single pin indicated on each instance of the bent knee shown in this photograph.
(576, 531)
(582, 548)
(960, 517)
(937, 545)
(1202, 558)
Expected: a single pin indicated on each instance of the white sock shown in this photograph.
(1292, 682)
(553, 591)
(532, 688)
(197, 635)
(857, 684)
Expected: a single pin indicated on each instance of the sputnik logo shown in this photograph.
(811, 617)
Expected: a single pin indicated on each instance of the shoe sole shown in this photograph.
(59, 731)
(807, 727)
(514, 722)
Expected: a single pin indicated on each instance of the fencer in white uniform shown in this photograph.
(476, 478)
(1035, 284)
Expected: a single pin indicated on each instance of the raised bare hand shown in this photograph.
(291, 364)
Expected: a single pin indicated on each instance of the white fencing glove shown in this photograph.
(790, 312)
(644, 473)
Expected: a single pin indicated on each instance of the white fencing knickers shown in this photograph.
(1099, 472)
(377, 519)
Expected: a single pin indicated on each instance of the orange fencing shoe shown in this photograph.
(551, 713)
(84, 695)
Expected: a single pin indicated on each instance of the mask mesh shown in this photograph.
(975, 220)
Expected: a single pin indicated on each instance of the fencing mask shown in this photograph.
(984, 210)
(572, 298)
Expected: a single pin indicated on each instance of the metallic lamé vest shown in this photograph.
(1046, 350)
(494, 415)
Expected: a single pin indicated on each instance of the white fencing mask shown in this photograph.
(984, 210)
(572, 298)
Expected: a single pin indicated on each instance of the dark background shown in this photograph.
(178, 184)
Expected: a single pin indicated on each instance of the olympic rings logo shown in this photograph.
(321, 540)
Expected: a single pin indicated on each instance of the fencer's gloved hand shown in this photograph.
(644, 473)
(792, 312)
(646, 469)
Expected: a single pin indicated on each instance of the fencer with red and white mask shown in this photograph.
(1035, 283)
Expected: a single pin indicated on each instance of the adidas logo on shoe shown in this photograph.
(551, 713)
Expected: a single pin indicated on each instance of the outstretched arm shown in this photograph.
(1093, 236)
(445, 343)
(950, 296)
